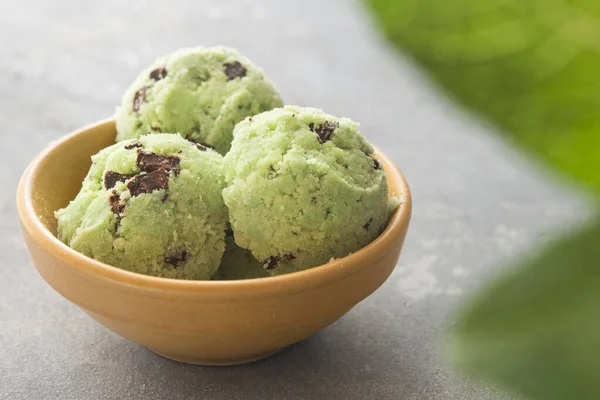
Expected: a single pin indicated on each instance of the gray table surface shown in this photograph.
(476, 202)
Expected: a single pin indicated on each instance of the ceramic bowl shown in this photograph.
(203, 322)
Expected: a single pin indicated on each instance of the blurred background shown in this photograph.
(65, 64)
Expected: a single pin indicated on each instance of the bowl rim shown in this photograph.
(336, 269)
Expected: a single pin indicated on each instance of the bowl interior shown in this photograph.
(61, 171)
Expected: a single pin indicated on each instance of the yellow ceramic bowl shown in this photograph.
(203, 322)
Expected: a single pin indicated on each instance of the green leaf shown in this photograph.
(532, 67)
(537, 330)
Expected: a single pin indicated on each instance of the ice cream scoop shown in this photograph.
(151, 205)
(303, 187)
(200, 93)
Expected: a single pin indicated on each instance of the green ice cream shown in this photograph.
(151, 206)
(302, 188)
(200, 93)
(238, 263)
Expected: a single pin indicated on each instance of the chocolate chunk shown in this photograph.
(133, 145)
(158, 73)
(375, 162)
(325, 130)
(111, 178)
(115, 203)
(366, 226)
(177, 258)
(147, 183)
(151, 162)
(117, 207)
(139, 98)
(273, 261)
(234, 70)
(311, 126)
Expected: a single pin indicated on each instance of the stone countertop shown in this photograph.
(476, 202)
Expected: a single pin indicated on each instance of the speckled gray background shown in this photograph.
(65, 63)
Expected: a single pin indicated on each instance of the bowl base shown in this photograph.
(215, 362)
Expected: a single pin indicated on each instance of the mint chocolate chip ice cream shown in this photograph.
(238, 263)
(303, 187)
(200, 93)
(151, 205)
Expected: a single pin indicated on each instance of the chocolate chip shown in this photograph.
(273, 261)
(151, 162)
(155, 129)
(325, 130)
(133, 145)
(375, 162)
(115, 203)
(366, 226)
(314, 199)
(147, 183)
(345, 166)
(177, 258)
(311, 126)
(111, 178)
(165, 197)
(158, 73)
(139, 98)
(234, 70)
(117, 207)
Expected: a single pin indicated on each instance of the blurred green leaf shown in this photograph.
(532, 67)
(537, 330)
